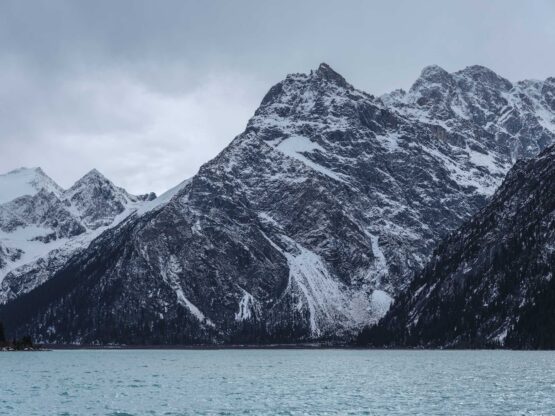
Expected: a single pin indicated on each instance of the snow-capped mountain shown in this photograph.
(44, 225)
(25, 181)
(96, 201)
(491, 282)
(307, 225)
(489, 111)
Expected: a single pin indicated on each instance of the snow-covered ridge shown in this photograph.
(41, 222)
(25, 181)
(519, 117)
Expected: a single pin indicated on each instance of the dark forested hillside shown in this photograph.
(491, 283)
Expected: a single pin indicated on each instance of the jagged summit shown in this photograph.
(97, 199)
(325, 71)
(433, 72)
(478, 73)
(91, 176)
(517, 119)
(484, 75)
(321, 82)
(94, 173)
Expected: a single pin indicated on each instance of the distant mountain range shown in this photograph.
(42, 225)
(304, 228)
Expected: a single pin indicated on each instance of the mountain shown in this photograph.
(489, 111)
(43, 225)
(490, 283)
(25, 181)
(305, 227)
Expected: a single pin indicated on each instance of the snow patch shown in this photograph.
(331, 305)
(162, 199)
(25, 181)
(246, 307)
(500, 338)
(380, 302)
(295, 146)
(169, 273)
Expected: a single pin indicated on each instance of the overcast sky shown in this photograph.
(148, 91)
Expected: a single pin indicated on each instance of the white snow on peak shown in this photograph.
(94, 179)
(25, 181)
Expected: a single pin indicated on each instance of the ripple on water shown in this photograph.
(278, 382)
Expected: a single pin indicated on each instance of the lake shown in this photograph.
(277, 382)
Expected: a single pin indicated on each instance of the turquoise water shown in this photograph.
(277, 382)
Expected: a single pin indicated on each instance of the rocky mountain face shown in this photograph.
(44, 225)
(307, 225)
(491, 282)
(489, 111)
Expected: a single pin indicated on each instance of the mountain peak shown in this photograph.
(91, 179)
(326, 72)
(25, 181)
(432, 71)
(92, 176)
(477, 70)
(94, 173)
(479, 73)
(97, 199)
(322, 81)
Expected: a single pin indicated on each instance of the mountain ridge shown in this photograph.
(44, 224)
(305, 226)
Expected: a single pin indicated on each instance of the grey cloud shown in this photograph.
(147, 91)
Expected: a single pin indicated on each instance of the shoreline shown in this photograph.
(197, 347)
(66, 347)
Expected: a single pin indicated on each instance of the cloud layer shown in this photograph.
(148, 91)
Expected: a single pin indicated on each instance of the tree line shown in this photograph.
(17, 344)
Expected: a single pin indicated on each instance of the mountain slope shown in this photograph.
(491, 282)
(304, 227)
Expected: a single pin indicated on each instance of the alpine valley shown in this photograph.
(307, 226)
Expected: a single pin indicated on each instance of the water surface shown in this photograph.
(277, 382)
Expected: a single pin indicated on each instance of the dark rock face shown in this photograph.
(305, 227)
(491, 282)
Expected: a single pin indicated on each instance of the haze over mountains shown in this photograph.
(305, 227)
